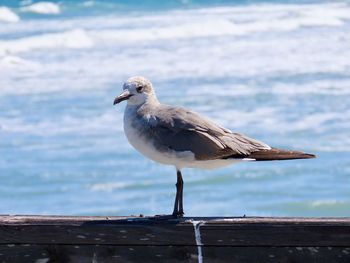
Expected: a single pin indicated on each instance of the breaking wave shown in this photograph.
(43, 8)
(8, 16)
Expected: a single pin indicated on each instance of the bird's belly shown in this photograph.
(212, 164)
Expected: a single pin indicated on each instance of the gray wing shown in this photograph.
(184, 130)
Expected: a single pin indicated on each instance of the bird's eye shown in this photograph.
(139, 89)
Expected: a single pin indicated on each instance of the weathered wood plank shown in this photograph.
(96, 254)
(272, 235)
(115, 232)
(78, 220)
(275, 254)
(278, 232)
(110, 234)
(154, 254)
(43, 239)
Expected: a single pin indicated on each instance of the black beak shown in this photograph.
(123, 96)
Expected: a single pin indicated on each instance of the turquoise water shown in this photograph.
(277, 71)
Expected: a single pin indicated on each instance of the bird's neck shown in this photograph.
(150, 104)
(151, 101)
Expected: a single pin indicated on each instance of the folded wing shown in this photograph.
(183, 130)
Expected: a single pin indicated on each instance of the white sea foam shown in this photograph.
(233, 21)
(43, 8)
(330, 87)
(186, 45)
(6, 15)
(274, 121)
(326, 203)
(67, 124)
(339, 142)
(70, 39)
(109, 187)
(14, 62)
(112, 186)
(189, 24)
(209, 28)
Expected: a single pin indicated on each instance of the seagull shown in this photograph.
(184, 139)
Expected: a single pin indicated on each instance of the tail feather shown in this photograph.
(279, 154)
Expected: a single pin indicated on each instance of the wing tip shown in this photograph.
(309, 155)
(279, 154)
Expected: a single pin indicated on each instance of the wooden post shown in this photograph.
(78, 239)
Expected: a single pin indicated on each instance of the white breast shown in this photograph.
(146, 147)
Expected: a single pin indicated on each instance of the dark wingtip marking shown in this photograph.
(309, 155)
(276, 154)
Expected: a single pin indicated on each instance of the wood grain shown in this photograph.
(153, 239)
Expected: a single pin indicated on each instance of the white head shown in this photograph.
(137, 90)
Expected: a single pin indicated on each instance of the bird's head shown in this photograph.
(136, 90)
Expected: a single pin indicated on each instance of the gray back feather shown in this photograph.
(184, 130)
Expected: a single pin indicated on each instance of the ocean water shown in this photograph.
(278, 71)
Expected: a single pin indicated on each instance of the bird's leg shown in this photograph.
(181, 186)
(178, 206)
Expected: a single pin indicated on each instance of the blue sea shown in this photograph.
(278, 71)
